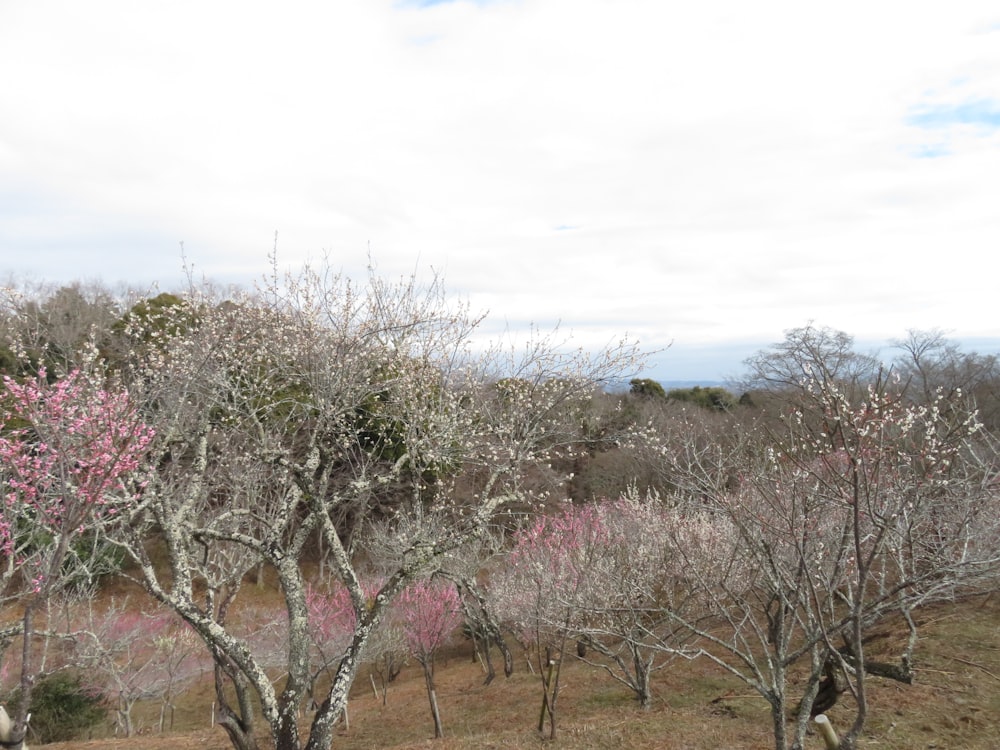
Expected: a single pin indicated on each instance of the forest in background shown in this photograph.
(399, 480)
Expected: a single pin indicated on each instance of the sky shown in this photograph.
(700, 176)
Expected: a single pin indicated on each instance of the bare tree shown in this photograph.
(540, 592)
(133, 655)
(807, 354)
(930, 364)
(57, 326)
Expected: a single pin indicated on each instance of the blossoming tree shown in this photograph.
(306, 412)
(70, 453)
(430, 611)
(852, 505)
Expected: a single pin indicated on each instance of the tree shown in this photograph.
(463, 568)
(332, 621)
(331, 626)
(632, 581)
(864, 505)
(71, 454)
(308, 411)
(54, 328)
(542, 589)
(929, 363)
(808, 354)
(430, 612)
(600, 574)
(714, 398)
(132, 655)
(647, 388)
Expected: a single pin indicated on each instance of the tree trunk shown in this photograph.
(484, 622)
(487, 653)
(508, 657)
(643, 693)
(238, 736)
(19, 726)
(321, 731)
(432, 697)
(550, 672)
(239, 727)
(778, 722)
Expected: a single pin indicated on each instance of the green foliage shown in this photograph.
(9, 363)
(385, 423)
(266, 392)
(62, 708)
(714, 398)
(157, 314)
(19, 368)
(146, 327)
(90, 559)
(156, 319)
(647, 388)
(380, 433)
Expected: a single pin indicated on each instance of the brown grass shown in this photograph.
(954, 703)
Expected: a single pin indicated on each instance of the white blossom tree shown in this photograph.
(303, 412)
(861, 505)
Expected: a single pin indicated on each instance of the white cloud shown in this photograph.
(703, 173)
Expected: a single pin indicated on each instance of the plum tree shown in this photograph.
(71, 452)
(306, 412)
(430, 611)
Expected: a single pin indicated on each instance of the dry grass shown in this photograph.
(955, 703)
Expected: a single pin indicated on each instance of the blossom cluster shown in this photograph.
(69, 452)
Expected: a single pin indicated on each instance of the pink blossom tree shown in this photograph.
(430, 611)
(331, 624)
(71, 454)
(602, 574)
(626, 613)
(542, 590)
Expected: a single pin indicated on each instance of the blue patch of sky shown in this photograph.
(930, 151)
(984, 113)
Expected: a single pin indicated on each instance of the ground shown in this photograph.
(954, 703)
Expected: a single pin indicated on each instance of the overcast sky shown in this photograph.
(703, 173)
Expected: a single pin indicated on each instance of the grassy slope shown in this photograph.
(955, 703)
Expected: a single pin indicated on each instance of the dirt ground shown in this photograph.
(206, 739)
(953, 703)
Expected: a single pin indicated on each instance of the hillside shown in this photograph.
(954, 703)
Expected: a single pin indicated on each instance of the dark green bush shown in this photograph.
(62, 708)
(713, 398)
(647, 388)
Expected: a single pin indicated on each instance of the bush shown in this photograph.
(714, 398)
(646, 388)
(62, 708)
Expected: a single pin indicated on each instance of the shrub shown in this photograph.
(714, 398)
(62, 708)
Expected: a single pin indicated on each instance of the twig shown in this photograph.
(734, 697)
(977, 666)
